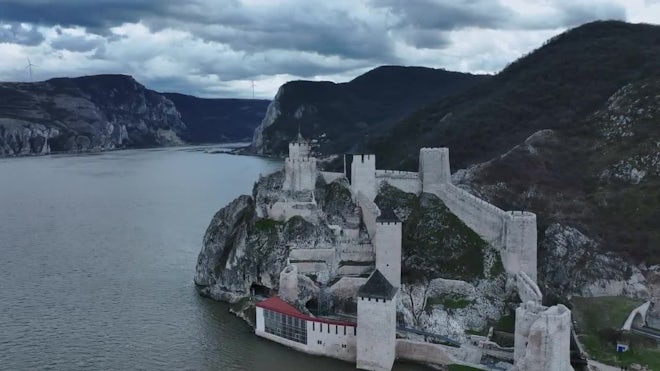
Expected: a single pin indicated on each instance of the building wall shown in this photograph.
(333, 342)
(404, 180)
(542, 338)
(388, 251)
(284, 211)
(330, 340)
(363, 176)
(376, 334)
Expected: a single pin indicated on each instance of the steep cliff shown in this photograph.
(84, 114)
(453, 280)
(339, 116)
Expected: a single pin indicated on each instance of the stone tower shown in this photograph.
(299, 167)
(434, 167)
(376, 324)
(387, 242)
(542, 338)
(362, 174)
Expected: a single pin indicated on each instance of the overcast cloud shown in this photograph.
(216, 48)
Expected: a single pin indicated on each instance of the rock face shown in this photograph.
(84, 114)
(338, 116)
(244, 251)
(452, 280)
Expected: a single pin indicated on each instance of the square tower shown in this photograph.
(387, 242)
(434, 167)
(361, 173)
(300, 167)
(376, 327)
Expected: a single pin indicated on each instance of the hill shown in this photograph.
(85, 113)
(571, 132)
(218, 120)
(341, 115)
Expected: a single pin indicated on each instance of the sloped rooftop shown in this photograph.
(377, 287)
(387, 215)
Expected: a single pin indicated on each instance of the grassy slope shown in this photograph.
(597, 321)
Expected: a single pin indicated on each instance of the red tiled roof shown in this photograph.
(278, 305)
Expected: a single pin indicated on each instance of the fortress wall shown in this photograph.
(423, 352)
(406, 181)
(283, 211)
(312, 254)
(485, 219)
(353, 270)
(299, 174)
(330, 177)
(370, 212)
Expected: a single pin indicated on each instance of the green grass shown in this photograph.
(598, 321)
(266, 225)
(449, 302)
(460, 368)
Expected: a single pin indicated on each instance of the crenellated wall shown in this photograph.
(299, 174)
(484, 218)
(406, 181)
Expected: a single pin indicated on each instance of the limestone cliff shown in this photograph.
(452, 280)
(84, 114)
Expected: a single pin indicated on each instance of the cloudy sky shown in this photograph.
(216, 48)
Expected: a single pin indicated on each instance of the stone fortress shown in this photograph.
(542, 334)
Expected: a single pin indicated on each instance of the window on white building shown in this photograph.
(284, 326)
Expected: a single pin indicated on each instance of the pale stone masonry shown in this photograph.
(542, 334)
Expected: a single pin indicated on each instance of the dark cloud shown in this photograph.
(96, 15)
(76, 43)
(493, 14)
(16, 33)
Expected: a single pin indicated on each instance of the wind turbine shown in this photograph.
(252, 89)
(29, 67)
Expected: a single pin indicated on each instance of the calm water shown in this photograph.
(97, 255)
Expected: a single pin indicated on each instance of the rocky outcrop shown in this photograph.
(91, 113)
(21, 138)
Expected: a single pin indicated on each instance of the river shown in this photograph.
(97, 255)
